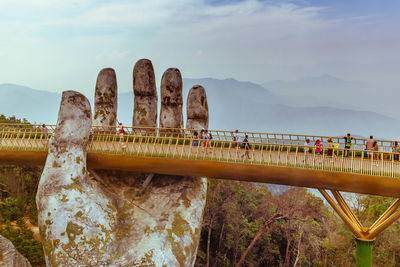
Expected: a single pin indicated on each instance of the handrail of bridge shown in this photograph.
(179, 143)
(260, 137)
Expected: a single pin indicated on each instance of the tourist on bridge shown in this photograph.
(206, 137)
(307, 149)
(195, 138)
(45, 132)
(246, 147)
(201, 137)
(370, 146)
(319, 146)
(236, 138)
(121, 132)
(206, 142)
(396, 150)
(376, 150)
(306, 146)
(210, 136)
(347, 144)
(330, 148)
(335, 148)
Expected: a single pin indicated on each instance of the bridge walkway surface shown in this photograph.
(272, 158)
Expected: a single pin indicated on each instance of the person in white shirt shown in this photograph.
(306, 148)
(236, 137)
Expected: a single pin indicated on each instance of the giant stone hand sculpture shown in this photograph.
(110, 218)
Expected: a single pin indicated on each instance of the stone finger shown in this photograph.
(171, 99)
(105, 99)
(144, 88)
(197, 108)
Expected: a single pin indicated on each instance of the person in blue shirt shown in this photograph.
(195, 139)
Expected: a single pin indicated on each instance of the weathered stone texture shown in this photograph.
(145, 90)
(105, 99)
(109, 218)
(9, 256)
(171, 99)
(162, 225)
(76, 220)
(197, 108)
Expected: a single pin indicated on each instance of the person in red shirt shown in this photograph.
(121, 132)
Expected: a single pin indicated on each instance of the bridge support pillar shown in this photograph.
(364, 236)
(364, 252)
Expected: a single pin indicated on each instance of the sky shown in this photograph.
(62, 45)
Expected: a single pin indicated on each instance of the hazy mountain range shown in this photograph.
(327, 90)
(277, 106)
(291, 107)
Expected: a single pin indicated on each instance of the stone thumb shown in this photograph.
(66, 158)
(61, 188)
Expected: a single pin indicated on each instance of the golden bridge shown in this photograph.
(270, 158)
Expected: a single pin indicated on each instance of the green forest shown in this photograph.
(244, 224)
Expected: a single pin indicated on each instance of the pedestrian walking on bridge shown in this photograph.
(370, 146)
(45, 132)
(318, 145)
(396, 150)
(246, 147)
(347, 144)
(236, 138)
(195, 138)
(330, 148)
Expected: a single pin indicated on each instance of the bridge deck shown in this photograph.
(267, 163)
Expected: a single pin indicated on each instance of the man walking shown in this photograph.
(246, 147)
(370, 147)
(347, 144)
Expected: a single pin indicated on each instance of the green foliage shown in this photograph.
(32, 212)
(18, 186)
(386, 250)
(374, 206)
(12, 119)
(236, 211)
(10, 210)
(18, 199)
(22, 239)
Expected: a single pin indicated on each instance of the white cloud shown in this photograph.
(250, 40)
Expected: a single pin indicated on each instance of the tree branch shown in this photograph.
(274, 218)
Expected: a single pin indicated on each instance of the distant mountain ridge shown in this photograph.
(24, 102)
(311, 85)
(332, 91)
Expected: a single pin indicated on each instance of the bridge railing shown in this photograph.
(184, 146)
(268, 138)
(182, 143)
